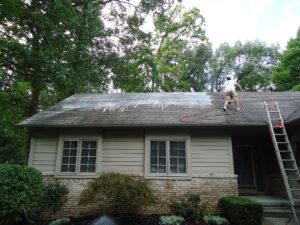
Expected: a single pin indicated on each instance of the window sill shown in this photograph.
(79, 176)
(168, 177)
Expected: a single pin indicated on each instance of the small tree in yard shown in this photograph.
(121, 190)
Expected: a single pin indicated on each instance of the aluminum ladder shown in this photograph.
(285, 156)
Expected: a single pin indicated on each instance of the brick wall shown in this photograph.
(210, 188)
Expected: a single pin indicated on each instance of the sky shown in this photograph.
(271, 21)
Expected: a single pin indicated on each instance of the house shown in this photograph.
(180, 142)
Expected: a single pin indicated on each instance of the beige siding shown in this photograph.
(211, 154)
(123, 152)
(43, 156)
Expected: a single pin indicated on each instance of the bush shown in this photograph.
(171, 220)
(241, 210)
(121, 190)
(21, 187)
(190, 208)
(61, 221)
(53, 197)
(215, 220)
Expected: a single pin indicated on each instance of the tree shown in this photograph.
(250, 63)
(287, 75)
(176, 32)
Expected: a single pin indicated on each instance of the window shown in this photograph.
(168, 157)
(79, 156)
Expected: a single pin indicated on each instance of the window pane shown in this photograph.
(92, 161)
(69, 156)
(73, 144)
(93, 144)
(72, 160)
(84, 160)
(85, 152)
(91, 168)
(162, 169)
(158, 157)
(73, 152)
(162, 145)
(177, 157)
(85, 144)
(93, 152)
(153, 169)
(65, 160)
(67, 144)
(64, 168)
(88, 159)
(162, 161)
(83, 168)
(181, 153)
(173, 169)
(71, 168)
(153, 161)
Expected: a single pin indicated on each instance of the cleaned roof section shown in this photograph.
(162, 109)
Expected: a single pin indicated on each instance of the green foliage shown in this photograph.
(287, 75)
(123, 191)
(11, 150)
(53, 197)
(251, 63)
(171, 220)
(21, 188)
(190, 208)
(241, 210)
(176, 33)
(61, 221)
(215, 220)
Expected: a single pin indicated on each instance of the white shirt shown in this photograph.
(229, 85)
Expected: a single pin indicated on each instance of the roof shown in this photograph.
(162, 109)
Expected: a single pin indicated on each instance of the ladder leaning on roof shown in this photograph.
(285, 156)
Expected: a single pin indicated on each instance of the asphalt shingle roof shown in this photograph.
(163, 109)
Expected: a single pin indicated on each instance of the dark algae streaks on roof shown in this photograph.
(162, 109)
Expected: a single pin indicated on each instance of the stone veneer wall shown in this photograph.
(210, 188)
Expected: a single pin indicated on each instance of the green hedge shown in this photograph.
(241, 210)
(21, 188)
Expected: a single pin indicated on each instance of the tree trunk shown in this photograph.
(32, 109)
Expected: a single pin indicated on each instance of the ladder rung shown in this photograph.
(290, 169)
(280, 134)
(287, 160)
(285, 151)
(294, 179)
(282, 143)
(295, 189)
(273, 111)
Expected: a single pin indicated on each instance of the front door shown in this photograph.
(243, 166)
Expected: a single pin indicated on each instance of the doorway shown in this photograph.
(244, 167)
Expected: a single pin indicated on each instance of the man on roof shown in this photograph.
(228, 88)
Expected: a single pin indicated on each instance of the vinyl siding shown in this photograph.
(43, 155)
(123, 152)
(211, 154)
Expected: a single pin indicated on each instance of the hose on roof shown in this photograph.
(204, 114)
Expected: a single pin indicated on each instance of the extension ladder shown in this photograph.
(285, 156)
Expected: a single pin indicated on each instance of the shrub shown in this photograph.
(241, 210)
(121, 190)
(215, 220)
(21, 187)
(171, 220)
(53, 197)
(190, 208)
(61, 221)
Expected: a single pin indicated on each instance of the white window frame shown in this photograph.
(77, 172)
(167, 139)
